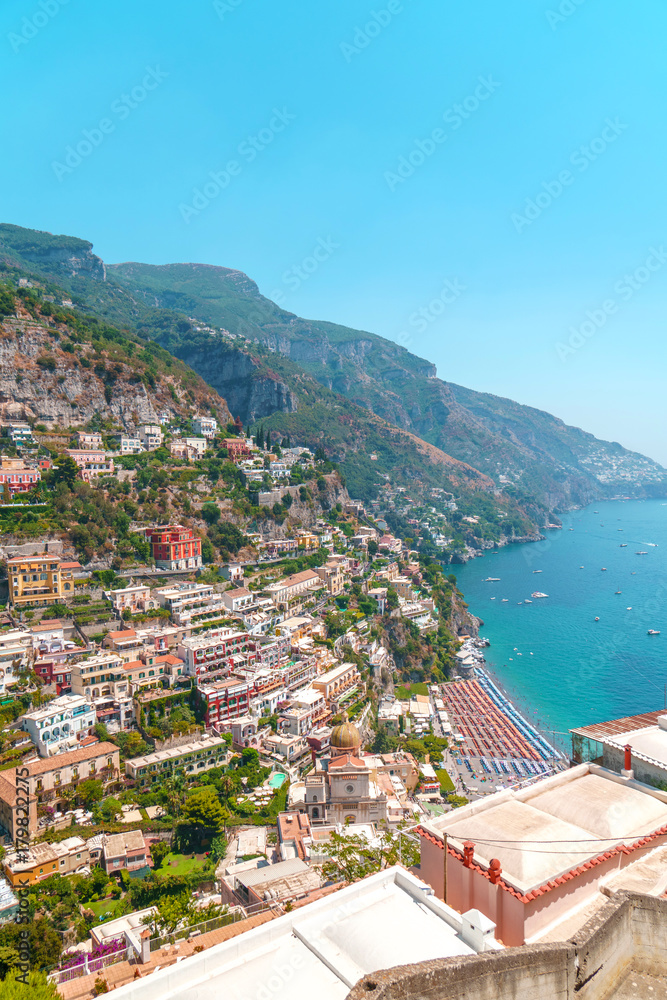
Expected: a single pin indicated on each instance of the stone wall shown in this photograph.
(650, 774)
(630, 931)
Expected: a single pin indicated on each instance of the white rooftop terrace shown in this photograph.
(324, 948)
(650, 742)
(545, 830)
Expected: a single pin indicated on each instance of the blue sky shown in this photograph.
(485, 181)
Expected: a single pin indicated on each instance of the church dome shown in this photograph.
(345, 736)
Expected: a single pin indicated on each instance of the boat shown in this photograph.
(505, 599)
(527, 601)
(653, 631)
(492, 579)
(537, 571)
(519, 602)
(628, 609)
(642, 553)
(604, 569)
(597, 619)
(618, 591)
(623, 545)
(570, 529)
(538, 594)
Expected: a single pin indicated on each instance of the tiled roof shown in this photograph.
(64, 759)
(600, 731)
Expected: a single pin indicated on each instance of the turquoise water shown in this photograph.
(276, 780)
(560, 666)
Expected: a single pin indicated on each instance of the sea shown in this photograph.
(557, 663)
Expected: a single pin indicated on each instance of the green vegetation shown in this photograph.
(446, 783)
(405, 692)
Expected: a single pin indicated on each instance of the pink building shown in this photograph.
(92, 463)
(529, 860)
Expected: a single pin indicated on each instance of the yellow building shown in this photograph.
(40, 580)
(44, 860)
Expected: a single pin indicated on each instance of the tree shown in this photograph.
(202, 814)
(90, 792)
(211, 513)
(6, 493)
(110, 808)
(37, 987)
(159, 852)
(353, 857)
(66, 471)
(383, 743)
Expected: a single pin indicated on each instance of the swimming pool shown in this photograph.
(276, 780)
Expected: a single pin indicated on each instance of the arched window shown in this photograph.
(316, 813)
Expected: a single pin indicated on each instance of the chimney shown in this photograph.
(495, 871)
(468, 852)
(627, 771)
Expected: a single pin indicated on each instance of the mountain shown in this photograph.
(352, 391)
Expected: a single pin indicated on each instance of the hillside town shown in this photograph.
(194, 746)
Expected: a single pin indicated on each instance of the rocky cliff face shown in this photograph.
(250, 391)
(61, 255)
(40, 381)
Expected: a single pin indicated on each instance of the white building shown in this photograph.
(89, 439)
(205, 426)
(15, 647)
(135, 598)
(197, 445)
(238, 599)
(102, 679)
(151, 436)
(323, 949)
(60, 725)
(184, 596)
(129, 445)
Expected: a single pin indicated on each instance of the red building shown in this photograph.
(175, 547)
(237, 448)
(54, 672)
(18, 478)
(225, 700)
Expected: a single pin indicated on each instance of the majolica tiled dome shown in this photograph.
(345, 736)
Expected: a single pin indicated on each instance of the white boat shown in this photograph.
(527, 601)
(642, 553)
(492, 579)
(505, 599)
(537, 571)
(538, 594)
(623, 545)
(653, 631)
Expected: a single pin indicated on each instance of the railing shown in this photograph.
(88, 966)
(232, 917)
